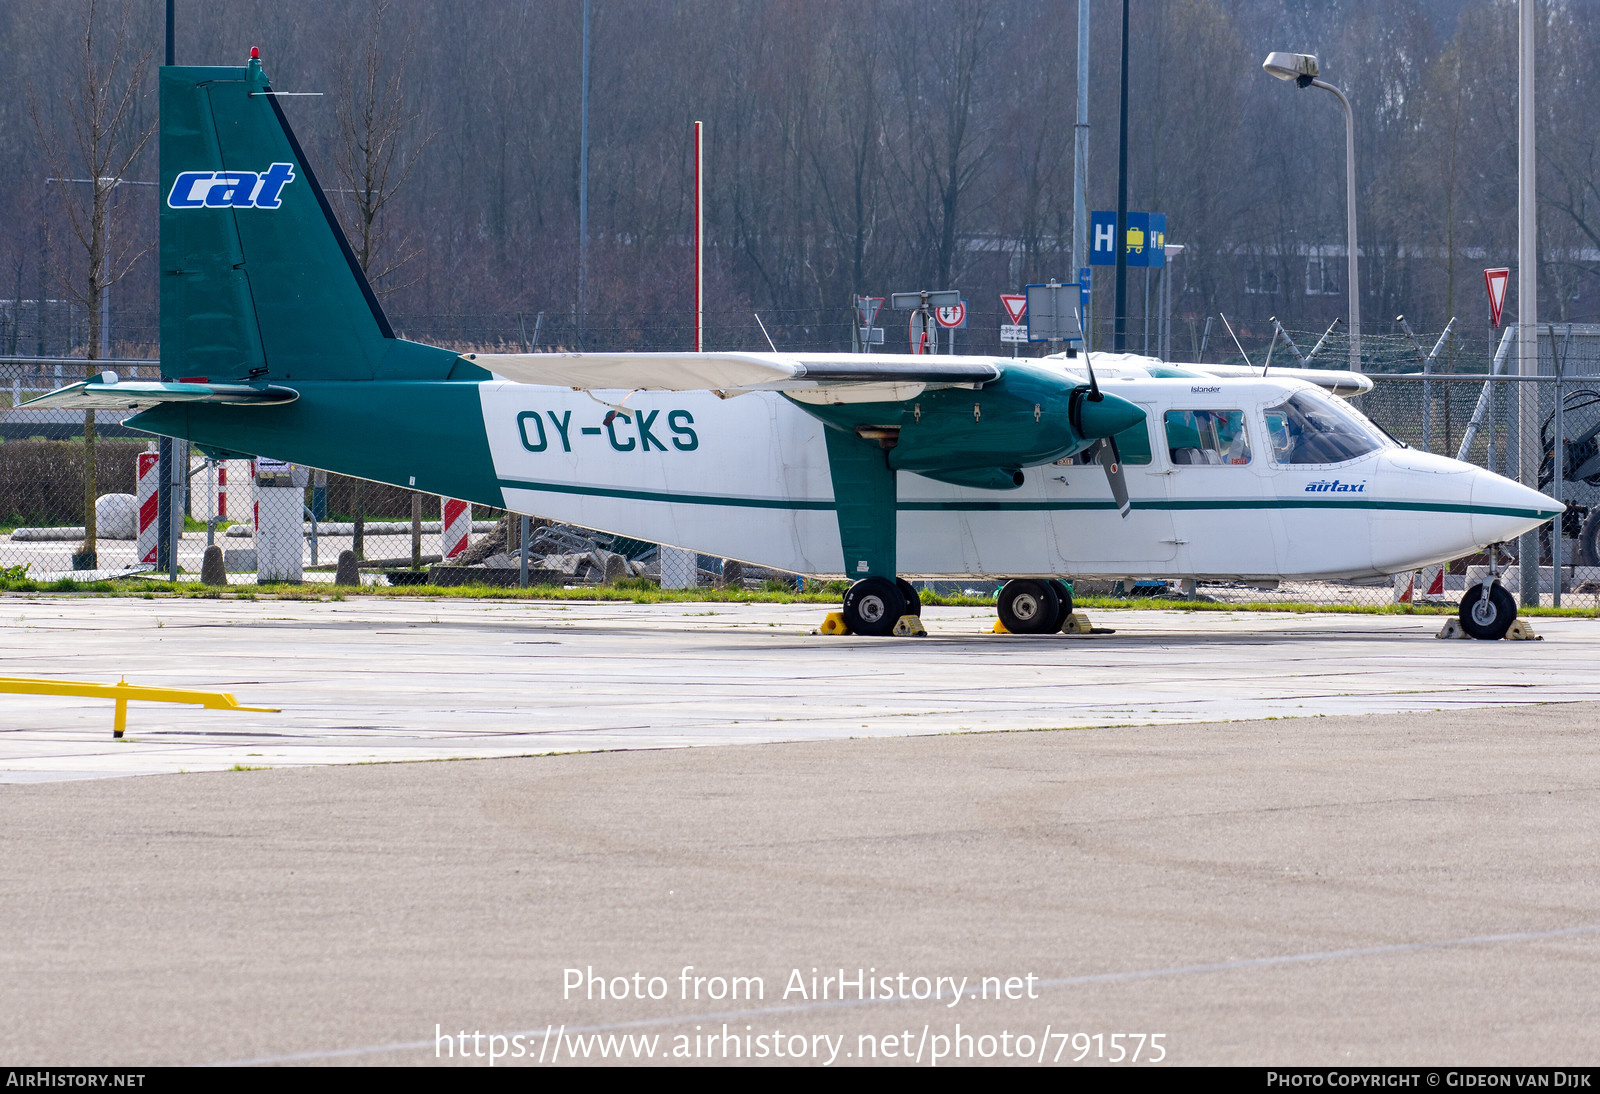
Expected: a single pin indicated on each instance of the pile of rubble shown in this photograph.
(556, 552)
(564, 554)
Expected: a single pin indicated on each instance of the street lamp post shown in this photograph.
(1303, 70)
(1164, 342)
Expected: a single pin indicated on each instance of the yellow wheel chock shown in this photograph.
(121, 693)
(910, 626)
(833, 624)
(1520, 631)
(1077, 623)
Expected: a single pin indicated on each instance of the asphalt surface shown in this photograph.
(1397, 888)
(368, 679)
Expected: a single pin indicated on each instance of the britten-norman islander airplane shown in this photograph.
(871, 465)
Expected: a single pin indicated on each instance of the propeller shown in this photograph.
(1104, 450)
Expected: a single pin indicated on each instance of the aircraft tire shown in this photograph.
(913, 600)
(1487, 619)
(1064, 595)
(1026, 606)
(872, 606)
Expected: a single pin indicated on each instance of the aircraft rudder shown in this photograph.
(257, 278)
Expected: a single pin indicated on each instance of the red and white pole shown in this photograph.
(699, 238)
(456, 528)
(149, 528)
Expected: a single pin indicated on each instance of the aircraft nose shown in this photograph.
(1503, 509)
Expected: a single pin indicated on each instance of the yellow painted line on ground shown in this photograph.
(121, 693)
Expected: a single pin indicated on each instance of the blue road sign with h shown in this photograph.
(1103, 239)
(1144, 241)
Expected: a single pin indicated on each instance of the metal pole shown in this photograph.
(1080, 149)
(1427, 388)
(1527, 293)
(1171, 252)
(166, 555)
(1484, 398)
(1559, 457)
(1120, 330)
(522, 566)
(583, 179)
(699, 238)
(177, 479)
(1354, 267)
(165, 548)
(1146, 350)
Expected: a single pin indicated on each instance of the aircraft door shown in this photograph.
(1219, 483)
(1092, 537)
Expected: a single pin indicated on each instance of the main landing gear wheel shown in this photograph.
(1487, 617)
(913, 600)
(1064, 595)
(1029, 607)
(873, 606)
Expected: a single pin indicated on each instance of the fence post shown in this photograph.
(522, 566)
(416, 531)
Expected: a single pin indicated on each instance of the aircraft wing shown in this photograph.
(1335, 380)
(110, 394)
(731, 372)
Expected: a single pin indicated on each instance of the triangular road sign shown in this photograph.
(1496, 281)
(867, 308)
(1016, 304)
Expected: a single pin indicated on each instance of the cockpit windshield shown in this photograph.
(1309, 428)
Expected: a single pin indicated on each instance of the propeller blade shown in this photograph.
(1094, 385)
(1105, 454)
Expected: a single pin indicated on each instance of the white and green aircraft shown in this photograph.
(875, 466)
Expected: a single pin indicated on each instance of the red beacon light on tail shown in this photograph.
(255, 53)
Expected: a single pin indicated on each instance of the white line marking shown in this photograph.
(1063, 982)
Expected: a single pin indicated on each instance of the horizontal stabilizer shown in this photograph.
(105, 392)
(729, 372)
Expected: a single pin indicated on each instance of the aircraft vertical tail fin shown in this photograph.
(257, 278)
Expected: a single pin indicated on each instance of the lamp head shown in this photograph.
(1300, 67)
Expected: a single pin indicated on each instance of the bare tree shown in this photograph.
(943, 149)
(375, 119)
(107, 136)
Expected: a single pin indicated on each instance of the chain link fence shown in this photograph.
(278, 523)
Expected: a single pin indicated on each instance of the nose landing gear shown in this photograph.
(1487, 611)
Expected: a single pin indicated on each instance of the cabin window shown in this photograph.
(1313, 429)
(1201, 437)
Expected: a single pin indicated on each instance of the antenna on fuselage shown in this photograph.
(764, 333)
(1235, 337)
